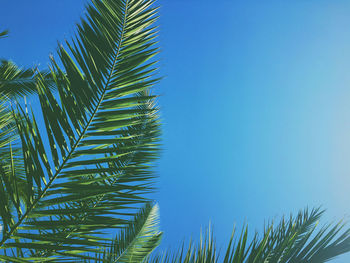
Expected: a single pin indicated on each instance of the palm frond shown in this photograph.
(98, 164)
(297, 240)
(16, 82)
(136, 241)
(11, 162)
(139, 238)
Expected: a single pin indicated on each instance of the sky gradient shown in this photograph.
(254, 100)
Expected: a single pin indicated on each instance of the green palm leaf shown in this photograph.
(15, 81)
(102, 134)
(136, 241)
(296, 240)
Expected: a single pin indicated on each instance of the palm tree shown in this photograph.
(87, 171)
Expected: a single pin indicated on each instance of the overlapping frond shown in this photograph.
(297, 240)
(12, 183)
(102, 134)
(136, 241)
(16, 82)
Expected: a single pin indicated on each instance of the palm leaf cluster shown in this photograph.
(296, 240)
(16, 82)
(77, 169)
(101, 133)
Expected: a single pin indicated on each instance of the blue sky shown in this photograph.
(255, 105)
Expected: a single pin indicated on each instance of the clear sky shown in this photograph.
(255, 105)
